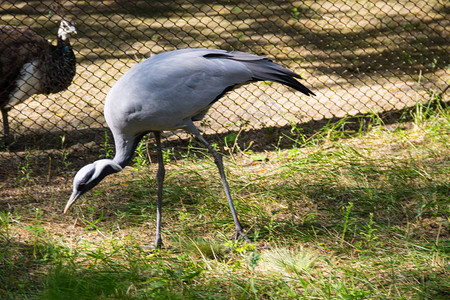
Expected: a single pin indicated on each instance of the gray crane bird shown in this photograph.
(170, 91)
(30, 65)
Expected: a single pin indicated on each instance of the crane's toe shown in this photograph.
(152, 247)
(240, 234)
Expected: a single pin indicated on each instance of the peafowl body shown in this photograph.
(30, 65)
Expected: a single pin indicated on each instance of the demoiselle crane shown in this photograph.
(170, 91)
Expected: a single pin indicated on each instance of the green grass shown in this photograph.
(344, 213)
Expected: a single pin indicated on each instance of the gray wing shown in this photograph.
(264, 69)
(164, 91)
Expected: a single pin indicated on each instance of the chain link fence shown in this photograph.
(357, 56)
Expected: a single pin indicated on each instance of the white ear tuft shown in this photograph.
(66, 27)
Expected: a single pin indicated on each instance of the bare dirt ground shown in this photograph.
(357, 56)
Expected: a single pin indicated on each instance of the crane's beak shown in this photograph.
(72, 199)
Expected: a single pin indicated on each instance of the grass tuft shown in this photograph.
(288, 262)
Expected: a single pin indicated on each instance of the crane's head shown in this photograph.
(66, 27)
(89, 176)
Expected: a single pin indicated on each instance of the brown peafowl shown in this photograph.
(30, 65)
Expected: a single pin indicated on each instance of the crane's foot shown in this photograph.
(151, 247)
(240, 235)
(159, 244)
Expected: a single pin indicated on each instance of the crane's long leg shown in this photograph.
(219, 162)
(160, 178)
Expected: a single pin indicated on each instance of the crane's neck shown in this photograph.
(125, 147)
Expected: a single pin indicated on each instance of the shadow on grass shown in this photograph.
(43, 270)
(22, 266)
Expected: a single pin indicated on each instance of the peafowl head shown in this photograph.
(66, 27)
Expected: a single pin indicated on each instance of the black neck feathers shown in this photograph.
(59, 67)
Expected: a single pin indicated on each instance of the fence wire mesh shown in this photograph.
(357, 56)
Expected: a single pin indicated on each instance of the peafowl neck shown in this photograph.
(59, 67)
